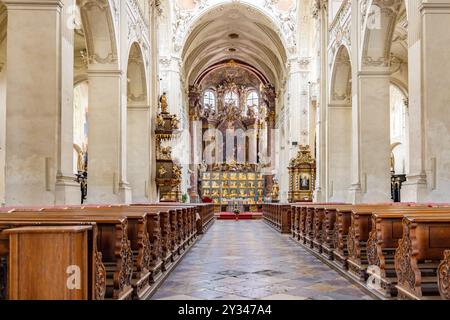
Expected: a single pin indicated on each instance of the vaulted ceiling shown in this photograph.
(234, 32)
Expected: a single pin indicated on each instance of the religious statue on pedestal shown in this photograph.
(275, 191)
(164, 104)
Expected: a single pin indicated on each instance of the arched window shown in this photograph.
(399, 134)
(209, 100)
(253, 99)
(398, 113)
(232, 98)
(80, 123)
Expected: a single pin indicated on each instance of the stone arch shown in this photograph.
(138, 125)
(136, 75)
(339, 128)
(341, 84)
(97, 17)
(379, 19)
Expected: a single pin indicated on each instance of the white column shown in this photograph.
(153, 77)
(374, 136)
(415, 188)
(67, 190)
(436, 96)
(355, 192)
(105, 129)
(339, 151)
(33, 101)
(321, 186)
(3, 17)
(298, 94)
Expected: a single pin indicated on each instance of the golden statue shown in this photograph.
(160, 121)
(175, 123)
(176, 171)
(81, 166)
(275, 190)
(163, 102)
(162, 171)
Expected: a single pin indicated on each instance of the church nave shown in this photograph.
(236, 261)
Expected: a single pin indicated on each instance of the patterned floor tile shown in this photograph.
(247, 260)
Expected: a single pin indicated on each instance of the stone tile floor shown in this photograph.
(246, 260)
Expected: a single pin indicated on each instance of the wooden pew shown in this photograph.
(167, 244)
(295, 217)
(328, 229)
(179, 232)
(444, 276)
(386, 231)
(41, 260)
(138, 226)
(96, 269)
(300, 220)
(351, 232)
(373, 239)
(112, 241)
(205, 211)
(417, 258)
(278, 216)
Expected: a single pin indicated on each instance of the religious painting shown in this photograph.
(305, 182)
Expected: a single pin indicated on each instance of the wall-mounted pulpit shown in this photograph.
(168, 172)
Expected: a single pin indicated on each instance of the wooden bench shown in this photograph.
(204, 215)
(49, 263)
(364, 242)
(295, 215)
(386, 231)
(419, 253)
(444, 276)
(278, 216)
(351, 232)
(328, 229)
(145, 257)
(96, 270)
(112, 242)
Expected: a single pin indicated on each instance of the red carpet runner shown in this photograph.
(241, 216)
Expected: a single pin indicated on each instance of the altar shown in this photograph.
(232, 114)
(232, 190)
